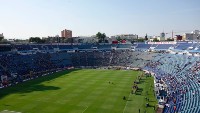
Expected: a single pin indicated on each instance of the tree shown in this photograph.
(1, 38)
(36, 40)
(155, 40)
(146, 38)
(169, 39)
(101, 37)
(140, 40)
(98, 35)
(119, 38)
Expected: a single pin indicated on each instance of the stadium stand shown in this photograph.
(177, 79)
(163, 46)
(180, 73)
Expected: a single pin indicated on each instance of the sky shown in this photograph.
(42, 18)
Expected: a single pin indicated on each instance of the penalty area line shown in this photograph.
(85, 109)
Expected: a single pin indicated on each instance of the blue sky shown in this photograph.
(26, 18)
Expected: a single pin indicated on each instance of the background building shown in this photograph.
(66, 33)
(153, 38)
(128, 37)
(1, 37)
(194, 35)
(178, 37)
(85, 39)
(162, 36)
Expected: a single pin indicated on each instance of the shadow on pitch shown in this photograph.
(6, 104)
(33, 85)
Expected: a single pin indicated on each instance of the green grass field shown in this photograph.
(80, 91)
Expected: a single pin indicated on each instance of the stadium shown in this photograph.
(100, 78)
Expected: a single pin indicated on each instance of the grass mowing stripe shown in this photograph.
(126, 103)
(77, 91)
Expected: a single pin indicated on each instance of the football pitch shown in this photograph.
(80, 91)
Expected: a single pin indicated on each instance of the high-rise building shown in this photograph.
(162, 36)
(66, 33)
(1, 35)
